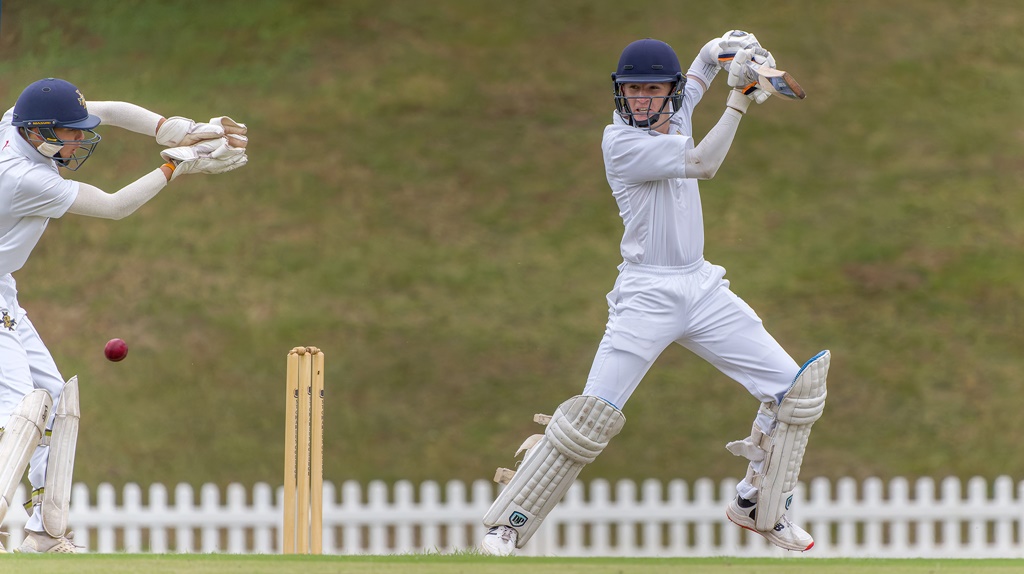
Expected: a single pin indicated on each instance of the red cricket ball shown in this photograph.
(115, 350)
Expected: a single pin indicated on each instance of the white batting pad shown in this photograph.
(61, 461)
(776, 457)
(579, 430)
(22, 434)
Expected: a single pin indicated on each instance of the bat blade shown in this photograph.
(779, 82)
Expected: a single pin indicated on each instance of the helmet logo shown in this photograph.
(81, 98)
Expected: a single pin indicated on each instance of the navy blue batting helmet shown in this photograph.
(648, 61)
(54, 103)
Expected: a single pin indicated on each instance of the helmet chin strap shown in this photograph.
(50, 150)
(647, 123)
(652, 119)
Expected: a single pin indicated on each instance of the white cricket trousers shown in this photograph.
(25, 364)
(651, 307)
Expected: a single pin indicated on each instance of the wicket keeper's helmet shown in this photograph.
(648, 61)
(54, 103)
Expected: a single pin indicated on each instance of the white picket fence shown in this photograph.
(872, 518)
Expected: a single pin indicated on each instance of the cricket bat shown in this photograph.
(778, 82)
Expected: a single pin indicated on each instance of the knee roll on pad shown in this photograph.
(577, 433)
(780, 453)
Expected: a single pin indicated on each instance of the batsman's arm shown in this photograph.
(703, 161)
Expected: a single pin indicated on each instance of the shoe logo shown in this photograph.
(779, 527)
(789, 501)
(517, 519)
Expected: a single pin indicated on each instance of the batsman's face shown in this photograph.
(646, 99)
(74, 139)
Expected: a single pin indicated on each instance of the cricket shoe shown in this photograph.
(500, 541)
(40, 543)
(785, 534)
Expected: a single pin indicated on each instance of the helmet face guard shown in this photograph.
(649, 61)
(51, 145)
(48, 105)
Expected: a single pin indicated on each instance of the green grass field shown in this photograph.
(468, 564)
(426, 202)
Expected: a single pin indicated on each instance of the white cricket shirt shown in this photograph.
(31, 192)
(659, 206)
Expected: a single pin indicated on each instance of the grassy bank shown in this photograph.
(425, 200)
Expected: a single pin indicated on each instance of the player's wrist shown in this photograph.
(168, 170)
(737, 101)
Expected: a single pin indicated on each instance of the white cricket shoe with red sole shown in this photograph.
(785, 534)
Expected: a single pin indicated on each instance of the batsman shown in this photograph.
(666, 292)
(50, 128)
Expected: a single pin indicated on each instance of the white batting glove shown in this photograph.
(709, 54)
(210, 156)
(743, 72)
(731, 42)
(178, 131)
(748, 60)
(234, 131)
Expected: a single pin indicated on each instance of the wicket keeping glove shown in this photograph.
(234, 131)
(210, 156)
(178, 131)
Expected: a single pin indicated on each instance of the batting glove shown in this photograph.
(731, 42)
(210, 156)
(178, 131)
(743, 72)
